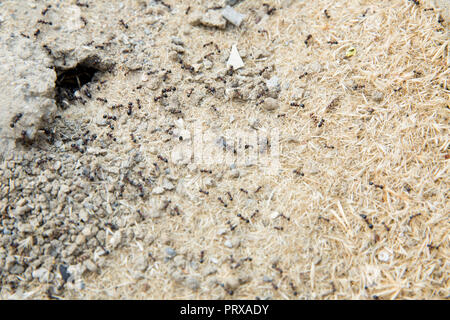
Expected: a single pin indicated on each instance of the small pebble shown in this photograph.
(232, 283)
(192, 283)
(209, 270)
(270, 104)
(233, 16)
(177, 41)
(170, 252)
(384, 256)
(141, 263)
(158, 190)
(378, 96)
(167, 185)
(57, 165)
(274, 215)
(235, 173)
(90, 265)
(209, 182)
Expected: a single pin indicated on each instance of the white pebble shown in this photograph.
(158, 190)
(274, 215)
(378, 96)
(270, 104)
(222, 231)
(192, 283)
(116, 239)
(235, 173)
(232, 283)
(167, 184)
(91, 266)
(233, 16)
(235, 59)
(384, 256)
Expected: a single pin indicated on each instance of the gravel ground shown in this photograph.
(102, 196)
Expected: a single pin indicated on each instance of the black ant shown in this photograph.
(44, 12)
(298, 172)
(366, 221)
(15, 119)
(242, 218)
(78, 3)
(303, 75)
(270, 10)
(275, 266)
(293, 287)
(123, 23)
(308, 38)
(130, 108)
(162, 158)
(87, 93)
(45, 22)
(376, 185)
(295, 104)
(223, 202)
(413, 216)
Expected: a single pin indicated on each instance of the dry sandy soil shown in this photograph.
(101, 197)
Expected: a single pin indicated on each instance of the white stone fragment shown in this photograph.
(274, 215)
(158, 190)
(270, 104)
(116, 239)
(384, 256)
(42, 274)
(235, 59)
(167, 185)
(222, 231)
(233, 16)
(273, 83)
(179, 123)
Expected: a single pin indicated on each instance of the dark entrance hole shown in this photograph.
(71, 80)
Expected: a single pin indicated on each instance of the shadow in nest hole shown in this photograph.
(71, 80)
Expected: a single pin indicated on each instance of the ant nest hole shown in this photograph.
(69, 81)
